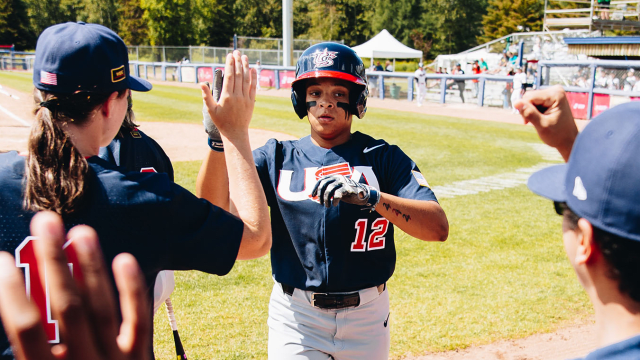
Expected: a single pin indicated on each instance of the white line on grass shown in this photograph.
(14, 117)
(500, 181)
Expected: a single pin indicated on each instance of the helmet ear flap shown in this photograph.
(298, 102)
(359, 103)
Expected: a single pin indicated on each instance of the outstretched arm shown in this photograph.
(232, 115)
(550, 113)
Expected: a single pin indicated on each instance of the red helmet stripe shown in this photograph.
(330, 74)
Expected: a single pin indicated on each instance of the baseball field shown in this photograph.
(502, 274)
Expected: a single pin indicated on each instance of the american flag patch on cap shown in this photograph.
(420, 178)
(48, 78)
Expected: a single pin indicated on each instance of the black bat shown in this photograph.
(174, 327)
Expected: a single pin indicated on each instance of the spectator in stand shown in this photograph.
(629, 81)
(475, 69)
(439, 71)
(604, 9)
(513, 59)
(483, 65)
(459, 82)
(379, 66)
(388, 66)
(613, 83)
(601, 78)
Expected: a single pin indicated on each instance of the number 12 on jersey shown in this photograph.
(25, 258)
(376, 241)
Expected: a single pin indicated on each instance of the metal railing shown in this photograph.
(597, 84)
(16, 60)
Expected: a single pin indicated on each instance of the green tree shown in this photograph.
(400, 18)
(504, 16)
(103, 12)
(169, 21)
(15, 28)
(133, 28)
(44, 13)
(214, 22)
(454, 24)
(348, 20)
(258, 18)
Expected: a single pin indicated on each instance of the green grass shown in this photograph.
(501, 275)
(21, 81)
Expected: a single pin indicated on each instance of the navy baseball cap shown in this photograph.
(74, 57)
(601, 181)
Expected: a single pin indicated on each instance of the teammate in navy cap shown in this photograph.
(597, 193)
(133, 150)
(333, 244)
(82, 81)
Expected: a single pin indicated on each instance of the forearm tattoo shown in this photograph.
(397, 212)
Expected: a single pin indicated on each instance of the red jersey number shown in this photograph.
(376, 239)
(25, 258)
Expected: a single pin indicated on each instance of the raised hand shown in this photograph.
(550, 113)
(232, 113)
(86, 312)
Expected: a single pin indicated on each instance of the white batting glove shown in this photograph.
(335, 188)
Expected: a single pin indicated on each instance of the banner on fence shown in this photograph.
(578, 102)
(601, 102)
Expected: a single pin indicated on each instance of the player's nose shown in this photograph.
(326, 102)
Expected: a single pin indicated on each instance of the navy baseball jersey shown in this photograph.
(623, 350)
(163, 225)
(342, 248)
(135, 151)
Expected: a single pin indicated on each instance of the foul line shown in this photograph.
(14, 117)
(500, 181)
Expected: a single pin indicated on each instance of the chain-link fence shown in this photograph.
(266, 50)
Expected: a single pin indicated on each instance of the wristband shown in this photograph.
(374, 199)
(215, 145)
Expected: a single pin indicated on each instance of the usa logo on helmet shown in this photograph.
(324, 58)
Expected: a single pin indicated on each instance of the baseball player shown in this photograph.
(81, 108)
(133, 150)
(597, 195)
(519, 79)
(335, 197)
(421, 78)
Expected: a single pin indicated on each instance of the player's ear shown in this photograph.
(586, 249)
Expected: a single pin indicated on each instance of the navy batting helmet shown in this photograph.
(330, 60)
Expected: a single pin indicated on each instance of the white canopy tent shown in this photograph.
(385, 46)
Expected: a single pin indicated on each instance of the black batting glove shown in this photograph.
(215, 140)
(335, 188)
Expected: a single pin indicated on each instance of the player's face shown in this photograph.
(330, 123)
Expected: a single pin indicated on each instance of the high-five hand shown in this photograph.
(233, 112)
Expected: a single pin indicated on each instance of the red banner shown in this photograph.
(601, 102)
(286, 78)
(206, 74)
(578, 103)
(267, 78)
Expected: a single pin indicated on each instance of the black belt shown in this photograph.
(332, 301)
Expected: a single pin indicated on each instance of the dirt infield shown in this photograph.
(186, 142)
